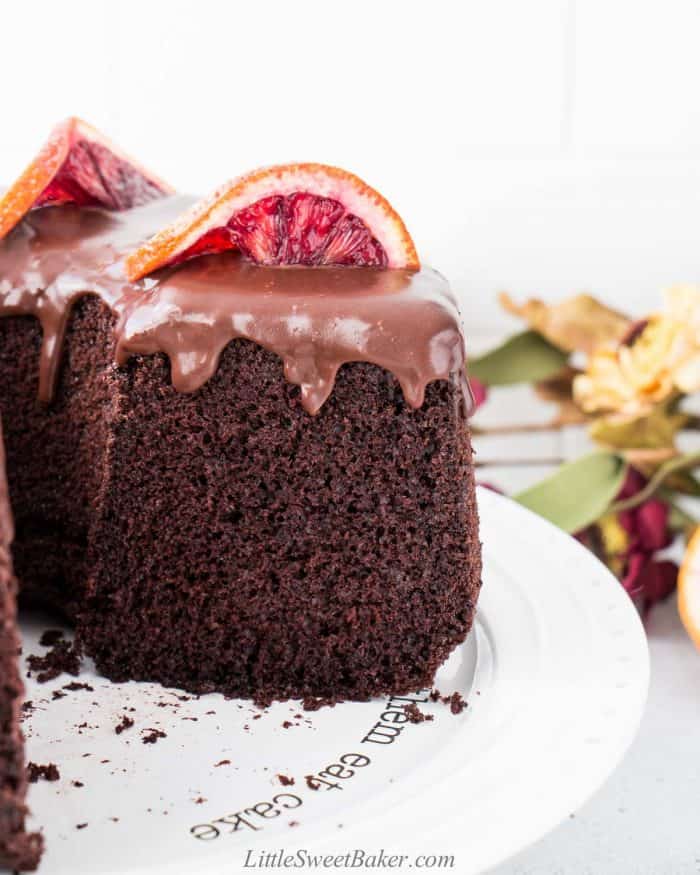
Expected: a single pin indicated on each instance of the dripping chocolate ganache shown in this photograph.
(315, 319)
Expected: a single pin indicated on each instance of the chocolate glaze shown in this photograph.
(315, 319)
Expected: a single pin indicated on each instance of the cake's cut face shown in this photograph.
(18, 850)
(200, 527)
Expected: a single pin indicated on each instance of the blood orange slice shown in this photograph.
(689, 588)
(290, 214)
(78, 165)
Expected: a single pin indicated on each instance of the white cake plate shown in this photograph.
(555, 673)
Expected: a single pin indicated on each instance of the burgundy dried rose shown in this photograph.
(649, 579)
(628, 541)
(480, 392)
(491, 486)
(646, 524)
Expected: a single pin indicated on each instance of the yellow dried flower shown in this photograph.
(683, 309)
(613, 536)
(660, 359)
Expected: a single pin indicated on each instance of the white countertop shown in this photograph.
(646, 818)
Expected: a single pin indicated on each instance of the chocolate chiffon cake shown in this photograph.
(222, 537)
(236, 430)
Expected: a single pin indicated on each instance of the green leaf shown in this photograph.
(679, 520)
(683, 482)
(662, 473)
(579, 492)
(523, 358)
(657, 429)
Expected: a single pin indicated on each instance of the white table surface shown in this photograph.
(646, 818)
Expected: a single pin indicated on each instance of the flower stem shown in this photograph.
(689, 460)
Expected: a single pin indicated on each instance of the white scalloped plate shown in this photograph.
(555, 673)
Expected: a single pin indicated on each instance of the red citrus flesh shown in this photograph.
(298, 214)
(78, 165)
(301, 228)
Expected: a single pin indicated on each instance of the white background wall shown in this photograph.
(544, 146)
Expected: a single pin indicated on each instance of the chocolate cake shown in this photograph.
(18, 849)
(178, 502)
(233, 474)
(237, 439)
